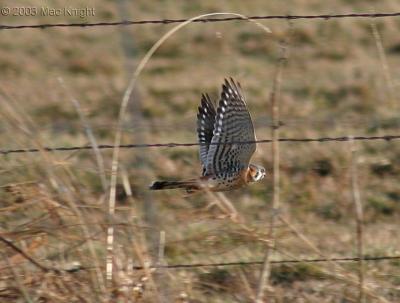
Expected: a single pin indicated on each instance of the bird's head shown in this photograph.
(256, 172)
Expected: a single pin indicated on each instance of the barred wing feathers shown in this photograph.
(205, 127)
(232, 124)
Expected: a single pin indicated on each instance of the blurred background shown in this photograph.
(58, 84)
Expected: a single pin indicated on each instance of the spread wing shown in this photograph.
(205, 127)
(232, 124)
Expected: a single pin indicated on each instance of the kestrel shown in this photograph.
(225, 166)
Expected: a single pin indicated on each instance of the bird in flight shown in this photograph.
(225, 166)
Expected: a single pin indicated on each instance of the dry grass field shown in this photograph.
(341, 78)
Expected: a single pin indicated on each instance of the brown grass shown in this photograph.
(52, 205)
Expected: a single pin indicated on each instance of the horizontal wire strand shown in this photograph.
(172, 144)
(205, 20)
(245, 263)
(238, 263)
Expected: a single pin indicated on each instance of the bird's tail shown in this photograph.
(189, 185)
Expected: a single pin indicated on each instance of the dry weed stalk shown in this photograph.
(138, 239)
(274, 99)
(384, 63)
(89, 134)
(25, 255)
(359, 219)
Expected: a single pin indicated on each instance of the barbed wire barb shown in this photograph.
(204, 20)
(173, 145)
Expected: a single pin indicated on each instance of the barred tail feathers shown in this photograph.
(188, 185)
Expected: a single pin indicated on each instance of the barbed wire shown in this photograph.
(204, 20)
(246, 263)
(172, 144)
